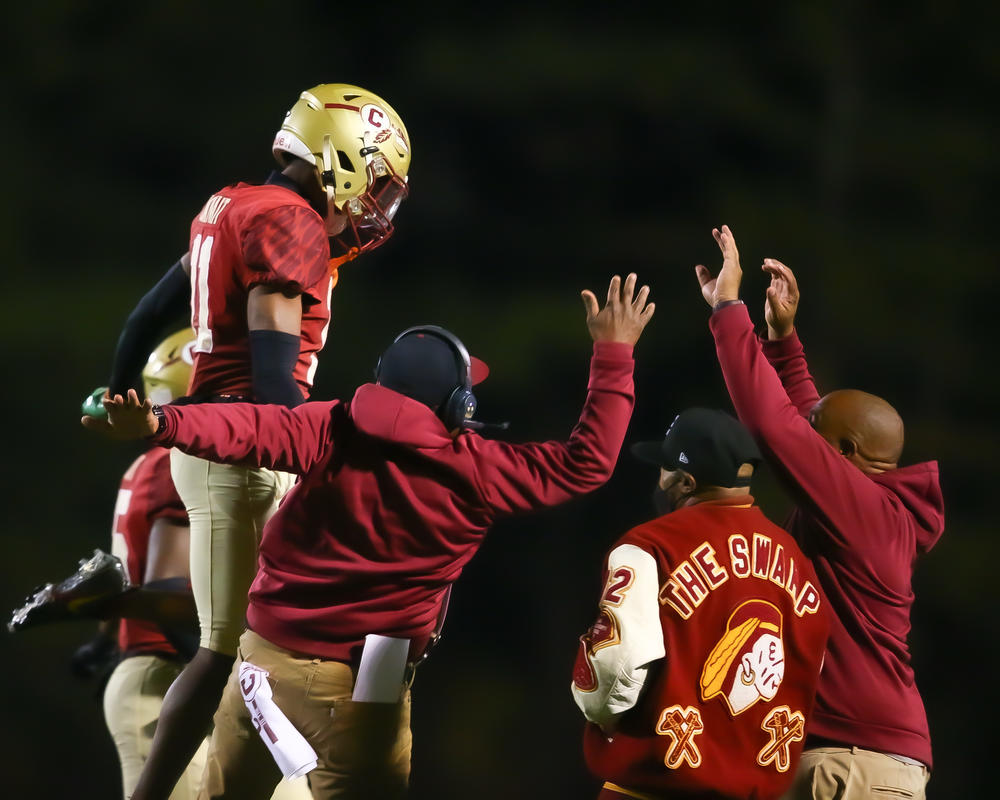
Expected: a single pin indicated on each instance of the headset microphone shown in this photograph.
(476, 425)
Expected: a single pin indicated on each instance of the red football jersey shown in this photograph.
(246, 236)
(744, 627)
(146, 494)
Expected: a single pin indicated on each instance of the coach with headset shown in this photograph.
(395, 495)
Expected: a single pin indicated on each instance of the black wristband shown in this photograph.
(161, 421)
(725, 303)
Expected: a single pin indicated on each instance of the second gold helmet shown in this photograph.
(168, 370)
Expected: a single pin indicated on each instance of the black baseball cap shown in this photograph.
(426, 368)
(706, 442)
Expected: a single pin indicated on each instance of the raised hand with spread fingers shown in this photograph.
(624, 316)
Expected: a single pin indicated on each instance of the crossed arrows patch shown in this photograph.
(682, 725)
(785, 726)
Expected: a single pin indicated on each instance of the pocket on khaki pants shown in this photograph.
(369, 736)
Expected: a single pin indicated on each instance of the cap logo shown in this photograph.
(683, 458)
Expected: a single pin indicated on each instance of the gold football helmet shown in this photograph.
(362, 151)
(166, 374)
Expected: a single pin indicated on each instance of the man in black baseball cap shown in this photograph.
(701, 628)
(705, 453)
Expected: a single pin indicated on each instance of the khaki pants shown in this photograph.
(227, 507)
(840, 773)
(132, 701)
(362, 749)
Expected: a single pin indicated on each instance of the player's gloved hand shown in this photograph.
(92, 406)
(93, 657)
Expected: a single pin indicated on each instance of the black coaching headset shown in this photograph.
(457, 411)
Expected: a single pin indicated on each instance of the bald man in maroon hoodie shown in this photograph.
(863, 521)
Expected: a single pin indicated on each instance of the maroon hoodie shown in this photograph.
(389, 507)
(862, 532)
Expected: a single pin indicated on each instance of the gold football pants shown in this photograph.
(227, 507)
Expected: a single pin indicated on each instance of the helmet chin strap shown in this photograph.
(327, 177)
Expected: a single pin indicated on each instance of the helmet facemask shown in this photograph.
(369, 215)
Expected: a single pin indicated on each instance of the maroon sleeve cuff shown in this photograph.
(611, 367)
(617, 351)
(729, 316)
(779, 348)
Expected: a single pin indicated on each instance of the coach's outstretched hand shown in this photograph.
(726, 286)
(623, 317)
(128, 418)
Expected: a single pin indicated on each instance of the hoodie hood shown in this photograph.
(918, 488)
(394, 417)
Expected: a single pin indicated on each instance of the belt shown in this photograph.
(812, 741)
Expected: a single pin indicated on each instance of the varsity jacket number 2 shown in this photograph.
(700, 671)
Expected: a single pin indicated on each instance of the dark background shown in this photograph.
(552, 147)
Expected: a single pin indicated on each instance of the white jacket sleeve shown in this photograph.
(616, 652)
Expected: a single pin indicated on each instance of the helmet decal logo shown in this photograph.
(374, 117)
(382, 136)
(748, 661)
(401, 140)
(187, 353)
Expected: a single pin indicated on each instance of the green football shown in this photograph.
(92, 406)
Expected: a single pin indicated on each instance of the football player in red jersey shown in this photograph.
(151, 538)
(261, 264)
(699, 674)
(148, 618)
